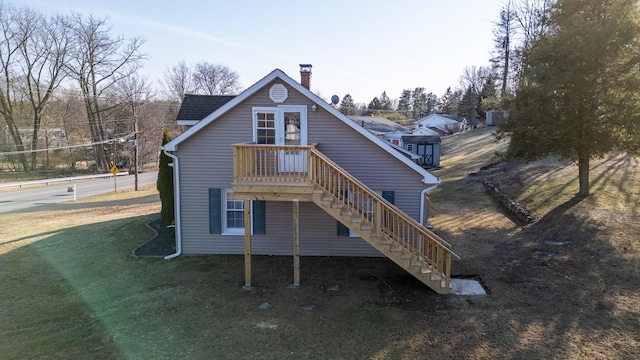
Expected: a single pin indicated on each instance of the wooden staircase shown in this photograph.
(411, 261)
(392, 232)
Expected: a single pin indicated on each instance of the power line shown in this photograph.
(109, 141)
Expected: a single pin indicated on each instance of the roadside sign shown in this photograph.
(114, 170)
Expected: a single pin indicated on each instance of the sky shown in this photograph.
(361, 48)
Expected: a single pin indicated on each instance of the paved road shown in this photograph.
(26, 198)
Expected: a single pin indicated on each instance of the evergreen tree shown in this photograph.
(488, 92)
(468, 108)
(348, 106)
(577, 97)
(385, 102)
(430, 103)
(404, 103)
(165, 184)
(449, 102)
(418, 102)
(375, 104)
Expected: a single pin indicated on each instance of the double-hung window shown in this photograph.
(226, 215)
(265, 125)
(232, 215)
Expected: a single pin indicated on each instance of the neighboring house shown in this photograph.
(388, 130)
(423, 143)
(47, 138)
(379, 125)
(467, 124)
(447, 124)
(196, 107)
(427, 147)
(278, 171)
(424, 131)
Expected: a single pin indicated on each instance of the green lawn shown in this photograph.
(76, 292)
(564, 287)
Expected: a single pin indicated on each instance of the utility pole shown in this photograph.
(135, 149)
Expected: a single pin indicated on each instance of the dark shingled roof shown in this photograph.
(421, 139)
(452, 117)
(379, 125)
(197, 107)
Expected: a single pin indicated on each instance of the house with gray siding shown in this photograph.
(276, 170)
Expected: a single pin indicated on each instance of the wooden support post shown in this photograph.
(247, 244)
(296, 244)
(448, 271)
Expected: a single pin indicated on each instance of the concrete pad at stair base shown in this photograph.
(466, 287)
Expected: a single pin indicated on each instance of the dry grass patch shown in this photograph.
(563, 287)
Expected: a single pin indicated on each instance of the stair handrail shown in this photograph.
(429, 236)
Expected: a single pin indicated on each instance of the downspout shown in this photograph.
(176, 196)
(423, 196)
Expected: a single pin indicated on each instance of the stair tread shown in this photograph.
(411, 262)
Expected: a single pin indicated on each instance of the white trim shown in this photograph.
(223, 214)
(266, 110)
(278, 93)
(303, 120)
(187, 122)
(428, 178)
(177, 215)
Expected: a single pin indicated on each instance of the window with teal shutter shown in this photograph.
(388, 195)
(342, 229)
(228, 213)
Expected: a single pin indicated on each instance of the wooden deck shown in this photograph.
(302, 173)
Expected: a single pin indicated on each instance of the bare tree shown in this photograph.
(67, 108)
(214, 79)
(44, 54)
(97, 62)
(532, 21)
(504, 32)
(136, 93)
(10, 42)
(475, 77)
(177, 82)
(32, 55)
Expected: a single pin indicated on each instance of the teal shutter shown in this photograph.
(342, 230)
(259, 217)
(389, 195)
(215, 211)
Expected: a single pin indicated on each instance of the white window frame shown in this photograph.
(232, 231)
(269, 110)
(278, 112)
(410, 147)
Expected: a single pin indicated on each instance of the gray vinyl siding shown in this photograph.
(206, 161)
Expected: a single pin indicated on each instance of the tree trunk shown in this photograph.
(583, 175)
(17, 140)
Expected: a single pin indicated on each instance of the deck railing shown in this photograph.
(305, 164)
(271, 163)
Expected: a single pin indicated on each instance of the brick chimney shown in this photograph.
(305, 75)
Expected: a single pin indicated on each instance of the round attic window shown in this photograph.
(278, 93)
